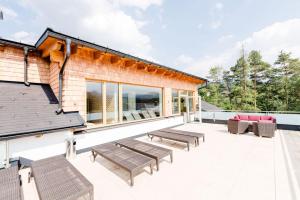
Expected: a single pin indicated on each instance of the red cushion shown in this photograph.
(265, 121)
(266, 117)
(243, 117)
(254, 117)
(234, 119)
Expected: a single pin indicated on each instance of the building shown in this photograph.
(64, 88)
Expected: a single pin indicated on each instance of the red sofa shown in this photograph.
(243, 123)
(256, 118)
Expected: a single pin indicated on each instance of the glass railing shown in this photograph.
(282, 117)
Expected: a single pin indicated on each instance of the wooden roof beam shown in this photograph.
(55, 46)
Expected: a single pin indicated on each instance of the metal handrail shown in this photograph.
(254, 111)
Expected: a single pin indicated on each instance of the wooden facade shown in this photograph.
(90, 64)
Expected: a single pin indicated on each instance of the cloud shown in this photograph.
(216, 24)
(142, 4)
(216, 14)
(8, 13)
(23, 36)
(225, 38)
(183, 60)
(269, 41)
(200, 26)
(219, 6)
(99, 21)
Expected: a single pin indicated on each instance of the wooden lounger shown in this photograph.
(146, 149)
(57, 178)
(173, 136)
(10, 184)
(131, 161)
(188, 133)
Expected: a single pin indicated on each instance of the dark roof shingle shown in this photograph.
(31, 109)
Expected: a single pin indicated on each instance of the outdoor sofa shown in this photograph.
(244, 123)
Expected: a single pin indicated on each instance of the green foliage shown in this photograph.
(253, 84)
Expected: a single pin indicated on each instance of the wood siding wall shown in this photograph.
(12, 66)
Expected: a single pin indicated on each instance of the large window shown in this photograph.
(140, 102)
(175, 101)
(112, 103)
(94, 102)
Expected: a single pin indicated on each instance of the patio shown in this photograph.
(226, 166)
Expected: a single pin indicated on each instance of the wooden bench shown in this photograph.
(146, 149)
(188, 133)
(173, 136)
(129, 160)
(57, 178)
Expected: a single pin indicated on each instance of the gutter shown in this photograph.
(26, 66)
(61, 75)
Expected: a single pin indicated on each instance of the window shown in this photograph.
(191, 101)
(175, 101)
(140, 102)
(112, 103)
(94, 102)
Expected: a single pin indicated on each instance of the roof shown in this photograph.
(205, 106)
(31, 109)
(51, 33)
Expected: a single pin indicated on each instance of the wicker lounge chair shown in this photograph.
(10, 184)
(237, 126)
(129, 160)
(264, 129)
(146, 149)
(146, 114)
(128, 116)
(187, 133)
(56, 178)
(136, 115)
(173, 136)
(151, 113)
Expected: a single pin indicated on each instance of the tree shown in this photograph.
(286, 70)
(253, 84)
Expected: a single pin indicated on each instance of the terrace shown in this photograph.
(226, 166)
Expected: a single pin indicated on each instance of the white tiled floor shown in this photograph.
(226, 166)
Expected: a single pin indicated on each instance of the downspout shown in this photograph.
(26, 66)
(61, 75)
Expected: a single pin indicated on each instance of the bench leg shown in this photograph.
(94, 156)
(198, 141)
(29, 176)
(171, 157)
(151, 169)
(131, 179)
(188, 146)
(203, 138)
(157, 164)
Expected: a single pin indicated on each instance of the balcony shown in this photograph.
(226, 166)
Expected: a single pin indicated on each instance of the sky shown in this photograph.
(190, 35)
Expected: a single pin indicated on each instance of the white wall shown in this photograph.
(103, 136)
(52, 144)
(35, 148)
(2, 153)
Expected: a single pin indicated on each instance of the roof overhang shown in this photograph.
(49, 34)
